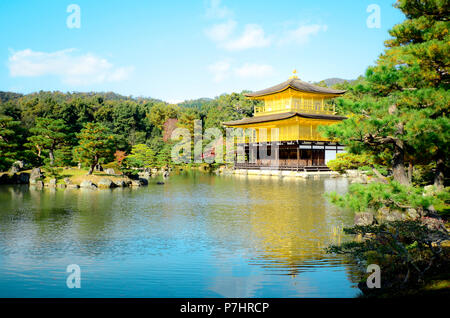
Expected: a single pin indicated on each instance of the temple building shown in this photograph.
(296, 108)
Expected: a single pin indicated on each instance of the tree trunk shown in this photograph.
(439, 175)
(94, 163)
(38, 150)
(398, 164)
(379, 175)
(410, 171)
(398, 158)
(52, 157)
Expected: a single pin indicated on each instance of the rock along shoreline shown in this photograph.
(36, 180)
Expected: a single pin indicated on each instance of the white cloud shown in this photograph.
(71, 68)
(253, 70)
(216, 10)
(224, 69)
(302, 34)
(220, 70)
(221, 32)
(252, 37)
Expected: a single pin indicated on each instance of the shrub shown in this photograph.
(347, 161)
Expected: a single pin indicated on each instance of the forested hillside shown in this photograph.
(27, 120)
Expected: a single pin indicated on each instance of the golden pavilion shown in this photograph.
(296, 109)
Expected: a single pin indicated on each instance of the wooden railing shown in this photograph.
(280, 166)
(301, 108)
(284, 163)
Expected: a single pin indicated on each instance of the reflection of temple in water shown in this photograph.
(293, 236)
(289, 236)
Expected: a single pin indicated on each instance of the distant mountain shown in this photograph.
(6, 96)
(60, 96)
(195, 103)
(335, 80)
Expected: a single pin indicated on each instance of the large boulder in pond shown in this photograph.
(395, 215)
(19, 164)
(52, 183)
(412, 214)
(86, 184)
(121, 183)
(36, 173)
(14, 169)
(105, 184)
(39, 184)
(110, 171)
(386, 214)
(145, 175)
(364, 219)
(135, 183)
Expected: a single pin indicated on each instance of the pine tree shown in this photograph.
(142, 156)
(50, 135)
(403, 117)
(399, 115)
(8, 142)
(96, 143)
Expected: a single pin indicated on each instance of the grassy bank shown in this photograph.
(76, 176)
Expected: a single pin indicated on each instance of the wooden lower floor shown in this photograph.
(294, 155)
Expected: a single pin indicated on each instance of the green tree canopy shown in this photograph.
(48, 135)
(96, 143)
(403, 116)
(8, 141)
(142, 156)
(160, 112)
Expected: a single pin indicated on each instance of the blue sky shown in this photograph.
(177, 50)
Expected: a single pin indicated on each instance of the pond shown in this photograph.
(198, 235)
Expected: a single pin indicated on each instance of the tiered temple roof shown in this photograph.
(281, 116)
(295, 84)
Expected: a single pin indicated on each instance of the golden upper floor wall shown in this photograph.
(293, 108)
(293, 101)
(295, 95)
(291, 129)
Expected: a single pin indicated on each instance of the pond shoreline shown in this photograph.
(356, 175)
(75, 179)
(78, 178)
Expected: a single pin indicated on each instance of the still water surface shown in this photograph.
(198, 235)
